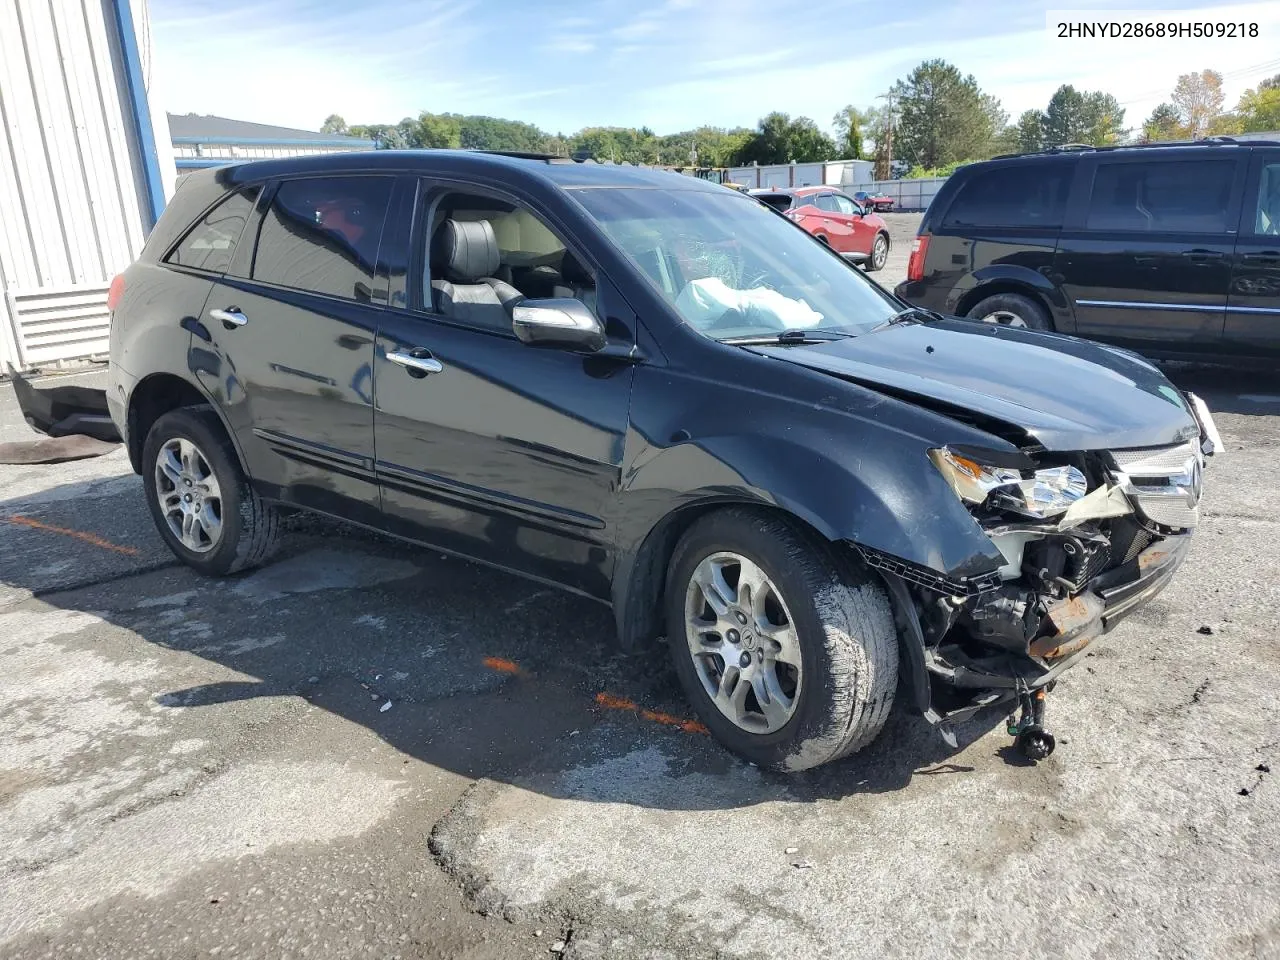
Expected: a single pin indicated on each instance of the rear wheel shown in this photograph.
(200, 499)
(787, 653)
(1011, 310)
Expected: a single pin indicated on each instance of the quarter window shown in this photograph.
(212, 242)
(1184, 196)
(321, 235)
(1033, 195)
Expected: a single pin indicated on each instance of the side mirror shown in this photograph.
(561, 321)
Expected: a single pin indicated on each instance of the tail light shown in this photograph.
(919, 250)
(115, 292)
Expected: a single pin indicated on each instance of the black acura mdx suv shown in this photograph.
(1169, 249)
(659, 394)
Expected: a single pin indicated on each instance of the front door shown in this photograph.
(1147, 261)
(1253, 306)
(837, 225)
(291, 354)
(500, 451)
(861, 234)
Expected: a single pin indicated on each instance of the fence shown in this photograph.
(907, 194)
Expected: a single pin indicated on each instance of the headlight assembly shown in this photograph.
(1035, 493)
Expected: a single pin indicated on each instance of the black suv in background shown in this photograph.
(661, 395)
(1171, 250)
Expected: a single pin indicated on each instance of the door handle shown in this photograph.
(1203, 256)
(1266, 256)
(230, 317)
(418, 366)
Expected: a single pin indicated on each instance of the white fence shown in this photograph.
(907, 194)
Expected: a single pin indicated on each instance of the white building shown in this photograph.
(204, 141)
(84, 172)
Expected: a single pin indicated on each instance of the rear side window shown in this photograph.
(1186, 196)
(1033, 195)
(321, 235)
(211, 243)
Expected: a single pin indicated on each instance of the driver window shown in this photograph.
(483, 256)
(828, 202)
(844, 204)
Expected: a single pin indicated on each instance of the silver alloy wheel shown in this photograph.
(1005, 318)
(189, 495)
(743, 642)
(879, 252)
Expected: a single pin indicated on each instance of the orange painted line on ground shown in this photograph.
(610, 702)
(502, 665)
(81, 535)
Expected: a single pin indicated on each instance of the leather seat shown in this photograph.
(464, 259)
(576, 282)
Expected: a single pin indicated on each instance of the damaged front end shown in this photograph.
(1086, 538)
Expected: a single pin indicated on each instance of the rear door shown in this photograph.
(292, 327)
(1146, 257)
(1253, 303)
(836, 226)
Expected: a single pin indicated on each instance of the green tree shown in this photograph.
(848, 125)
(1259, 108)
(1029, 131)
(1165, 123)
(1106, 119)
(779, 139)
(1198, 99)
(333, 124)
(1082, 117)
(943, 116)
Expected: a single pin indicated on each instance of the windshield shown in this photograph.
(731, 268)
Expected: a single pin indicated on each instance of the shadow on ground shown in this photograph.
(466, 668)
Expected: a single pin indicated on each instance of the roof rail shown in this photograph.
(527, 155)
(1214, 141)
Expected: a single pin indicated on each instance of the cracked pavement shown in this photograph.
(192, 768)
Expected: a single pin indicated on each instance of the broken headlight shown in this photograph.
(1041, 493)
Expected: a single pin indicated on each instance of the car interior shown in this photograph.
(1268, 224)
(486, 256)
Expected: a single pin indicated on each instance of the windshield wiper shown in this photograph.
(909, 315)
(787, 337)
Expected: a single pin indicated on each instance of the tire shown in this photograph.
(1011, 309)
(822, 238)
(248, 528)
(879, 253)
(844, 635)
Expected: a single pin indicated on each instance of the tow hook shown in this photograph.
(1031, 738)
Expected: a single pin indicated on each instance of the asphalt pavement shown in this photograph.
(366, 749)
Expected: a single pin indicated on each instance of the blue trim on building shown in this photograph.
(143, 129)
(351, 142)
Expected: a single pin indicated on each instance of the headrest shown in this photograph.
(465, 250)
(574, 273)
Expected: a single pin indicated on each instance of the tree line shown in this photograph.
(934, 119)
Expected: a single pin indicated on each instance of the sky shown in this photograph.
(666, 64)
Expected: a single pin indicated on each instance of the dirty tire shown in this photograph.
(250, 525)
(844, 622)
(1032, 315)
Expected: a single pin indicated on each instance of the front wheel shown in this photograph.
(787, 652)
(879, 253)
(200, 499)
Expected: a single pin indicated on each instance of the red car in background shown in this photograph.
(835, 219)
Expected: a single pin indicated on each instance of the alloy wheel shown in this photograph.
(879, 252)
(189, 495)
(743, 642)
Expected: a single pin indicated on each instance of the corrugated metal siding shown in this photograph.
(73, 213)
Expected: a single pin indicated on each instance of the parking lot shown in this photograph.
(366, 749)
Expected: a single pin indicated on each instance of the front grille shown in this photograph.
(1162, 482)
(1140, 542)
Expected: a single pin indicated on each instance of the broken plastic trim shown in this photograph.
(930, 579)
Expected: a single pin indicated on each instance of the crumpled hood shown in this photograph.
(1068, 394)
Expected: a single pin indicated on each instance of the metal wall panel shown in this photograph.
(73, 212)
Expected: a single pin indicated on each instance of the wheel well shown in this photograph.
(638, 606)
(151, 399)
(996, 287)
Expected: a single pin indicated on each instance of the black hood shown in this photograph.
(1066, 394)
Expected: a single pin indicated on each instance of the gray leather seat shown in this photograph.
(576, 282)
(464, 259)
